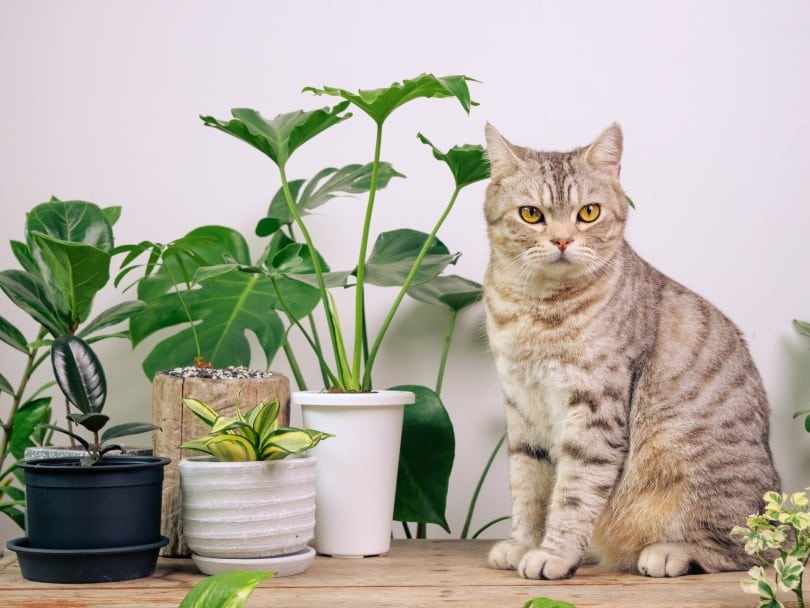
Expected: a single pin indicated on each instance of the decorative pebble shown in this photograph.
(226, 373)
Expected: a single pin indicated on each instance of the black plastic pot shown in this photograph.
(80, 518)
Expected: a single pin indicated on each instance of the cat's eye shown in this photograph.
(531, 215)
(589, 213)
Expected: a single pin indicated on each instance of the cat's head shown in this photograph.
(555, 215)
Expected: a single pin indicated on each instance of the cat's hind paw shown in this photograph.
(664, 559)
(506, 554)
(540, 564)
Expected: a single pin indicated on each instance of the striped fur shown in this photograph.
(637, 421)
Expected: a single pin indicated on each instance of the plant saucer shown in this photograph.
(279, 565)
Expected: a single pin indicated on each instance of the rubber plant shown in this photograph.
(65, 260)
(210, 270)
(80, 376)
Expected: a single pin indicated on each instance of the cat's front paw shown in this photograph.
(506, 555)
(540, 564)
(663, 559)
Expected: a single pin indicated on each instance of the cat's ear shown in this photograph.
(605, 153)
(503, 157)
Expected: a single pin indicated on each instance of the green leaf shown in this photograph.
(326, 185)
(71, 221)
(425, 461)
(229, 589)
(78, 373)
(5, 385)
(23, 255)
(231, 448)
(395, 252)
(544, 602)
(12, 336)
(282, 442)
(128, 428)
(223, 306)
(467, 163)
(114, 315)
(450, 291)
(30, 415)
(264, 418)
(802, 327)
(201, 410)
(380, 103)
(279, 137)
(29, 292)
(76, 270)
(52, 427)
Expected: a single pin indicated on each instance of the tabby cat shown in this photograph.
(637, 422)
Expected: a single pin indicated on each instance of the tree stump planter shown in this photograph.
(218, 388)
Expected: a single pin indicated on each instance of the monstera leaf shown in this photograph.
(219, 308)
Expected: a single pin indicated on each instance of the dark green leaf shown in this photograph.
(30, 293)
(12, 336)
(78, 373)
(75, 270)
(425, 461)
(451, 291)
(128, 428)
(14, 511)
(229, 589)
(380, 103)
(52, 427)
(280, 137)
(467, 163)
(93, 421)
(395, 252)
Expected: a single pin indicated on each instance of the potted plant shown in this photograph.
(65, 259)
(95, 518)
(228, 295)
(249, 503)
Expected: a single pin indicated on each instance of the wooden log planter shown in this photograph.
(217, 388)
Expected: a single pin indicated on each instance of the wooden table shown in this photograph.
(415, 573)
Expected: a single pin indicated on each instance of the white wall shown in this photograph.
(99, 101)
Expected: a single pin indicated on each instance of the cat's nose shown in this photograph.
(562, 244)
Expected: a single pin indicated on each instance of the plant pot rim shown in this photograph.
(299, 460)
(71, 463)
(353, 399)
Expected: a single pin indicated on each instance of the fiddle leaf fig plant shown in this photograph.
(254, 435)
(64, 261)
(81, 379)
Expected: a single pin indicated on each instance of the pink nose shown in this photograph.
(562, 244)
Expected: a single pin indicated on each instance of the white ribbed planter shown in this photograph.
(248, 509)
(357, 468)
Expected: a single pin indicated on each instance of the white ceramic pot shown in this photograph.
(248, 509)
(357, 468)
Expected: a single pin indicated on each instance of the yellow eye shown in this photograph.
(531, 215)
(589, 213)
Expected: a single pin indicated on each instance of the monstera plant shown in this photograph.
(64, 260)
(206, 284)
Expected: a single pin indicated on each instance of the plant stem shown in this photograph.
(448, 336)
(404, 289)
(28, 370)
(359, 306)
(197, 347)
(316, 263)
(294, 367)
(466, 529)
